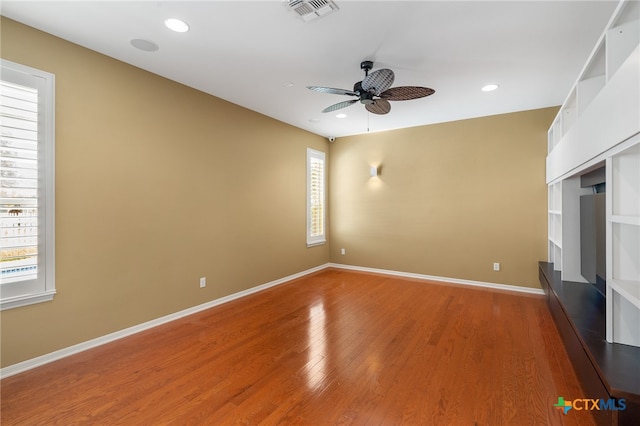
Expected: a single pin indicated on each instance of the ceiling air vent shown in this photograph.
(312, 9)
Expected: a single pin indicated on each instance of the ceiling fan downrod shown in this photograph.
(366, 97)
(366, 66)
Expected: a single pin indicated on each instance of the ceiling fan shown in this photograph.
(374, 91)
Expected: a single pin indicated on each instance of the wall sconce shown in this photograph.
(374, 171)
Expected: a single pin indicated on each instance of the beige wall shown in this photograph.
(452, 199)
(157, 185)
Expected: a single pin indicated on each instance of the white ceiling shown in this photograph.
(260, 55)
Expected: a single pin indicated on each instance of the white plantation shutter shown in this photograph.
(26, 185)
(19, 182)
(315, 197)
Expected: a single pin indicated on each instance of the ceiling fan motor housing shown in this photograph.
(365, 97)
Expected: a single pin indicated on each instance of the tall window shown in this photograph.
(316, 211)
(26, 185)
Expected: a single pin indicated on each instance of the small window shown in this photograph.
(316, 211)
(27, 185)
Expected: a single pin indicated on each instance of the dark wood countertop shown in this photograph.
(618, 365)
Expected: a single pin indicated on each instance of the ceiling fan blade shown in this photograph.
(332, 91)
(339, 105)
(379, 106)
(405, 93)
(378, 81)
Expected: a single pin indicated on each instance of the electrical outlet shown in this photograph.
(496, 266)
(203, 282)
(343, 251)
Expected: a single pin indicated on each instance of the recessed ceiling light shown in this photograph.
(176, 25)
(341, 116)
(490, 87)
(146, 45)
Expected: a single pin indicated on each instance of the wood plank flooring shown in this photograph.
(336, 347)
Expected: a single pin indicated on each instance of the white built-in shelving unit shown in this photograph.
(599, 124)
(555, 225)
(623, 244)
(564, 229)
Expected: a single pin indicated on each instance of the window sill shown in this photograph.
(29, 299)
(319, 243)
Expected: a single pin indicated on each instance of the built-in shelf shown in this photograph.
(594, 115)
(588, 89)
(569, 112)
(623, 37)
(555, 133)
(556, 244)
(627, 220)
(593, 78)
(630, 290)
(598, 125)
(564, 229)
(555, 222)
(623, 241)
(625, 200)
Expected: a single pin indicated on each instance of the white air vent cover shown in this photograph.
(312, 9)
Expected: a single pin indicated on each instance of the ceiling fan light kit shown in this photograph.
(374, 91)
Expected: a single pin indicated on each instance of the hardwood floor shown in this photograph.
(336, 347)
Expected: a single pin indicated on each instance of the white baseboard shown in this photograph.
(483, 284)
(99, 341)
(80, 347)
